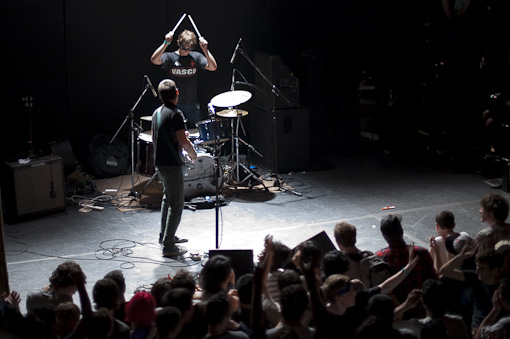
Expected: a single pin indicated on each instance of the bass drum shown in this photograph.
(199, 178)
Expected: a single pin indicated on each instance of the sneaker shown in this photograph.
(177, 251)
(180, 240)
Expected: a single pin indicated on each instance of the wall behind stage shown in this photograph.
(84, 62)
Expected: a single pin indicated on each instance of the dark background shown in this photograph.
(83, 62)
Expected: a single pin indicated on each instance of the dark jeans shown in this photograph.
(172, 205)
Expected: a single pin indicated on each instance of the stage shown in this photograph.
(340, 188)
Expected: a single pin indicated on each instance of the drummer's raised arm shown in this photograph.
(156, 56)
(211, 62)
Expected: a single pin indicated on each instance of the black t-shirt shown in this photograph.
(167, 150)
(184, 71)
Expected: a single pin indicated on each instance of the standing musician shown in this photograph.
(182, 66)
(170, 137)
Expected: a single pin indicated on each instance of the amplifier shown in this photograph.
(33, 188)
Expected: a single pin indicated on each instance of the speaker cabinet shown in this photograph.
(33, 188)
(241, 260)
(290, 150)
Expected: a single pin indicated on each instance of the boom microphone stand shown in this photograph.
(132, 127)
(275, 91)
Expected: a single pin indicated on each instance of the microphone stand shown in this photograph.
(132, 127)
(275, 91)
(216, 168)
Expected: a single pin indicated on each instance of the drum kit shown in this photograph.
(209, 137)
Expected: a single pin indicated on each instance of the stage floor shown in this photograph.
(353, 189)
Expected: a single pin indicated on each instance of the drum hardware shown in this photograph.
(133, 128)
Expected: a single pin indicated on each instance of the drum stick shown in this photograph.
(195, 26)
(178, 22)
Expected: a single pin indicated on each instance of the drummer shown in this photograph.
(183, 66)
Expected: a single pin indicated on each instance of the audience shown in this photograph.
(445, 227)
(397, 256)
(61, 288)
(494, 211)
(484, 282)
(345, 237)
(497, 323)
(433, 299)
(309, 296)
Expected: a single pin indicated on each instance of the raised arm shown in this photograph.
(450, 270)
(211, 62)
(156, 55)
(389, 284)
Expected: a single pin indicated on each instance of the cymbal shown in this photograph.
(230, 98)
(146, 118)
(232, 113)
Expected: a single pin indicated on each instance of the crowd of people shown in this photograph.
(457, 288)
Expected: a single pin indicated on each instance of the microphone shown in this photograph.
(235, 51)
(211, 109)
(150, 86)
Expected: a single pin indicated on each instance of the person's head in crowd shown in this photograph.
(445, 223)
(309, 252)
(159, 288)
(168, 322)
(382, 306)
(376, 327)
(141, 310)
(493, 208)
(345, 235)
(294, 302)
(391, 229)
(217, 312)
(503, 248)
(40, 323)
(67, 316)
(105, 293)
(454, 243)
(335, 262)
(182, 298)
(488, 265)
(339, 294)
(504, 293)
(100, 324)
(215, 275)
(61, 279)
(281, 256)
(433, 297)
(185, 279)
(244, 288)
(434, 329)
(118, 277)
(288, 277)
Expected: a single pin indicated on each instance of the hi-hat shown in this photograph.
(230, 98)
(232, 113)
(146, 118)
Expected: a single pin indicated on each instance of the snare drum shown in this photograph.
(206, 129)
(199, 176)
(146, 154)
